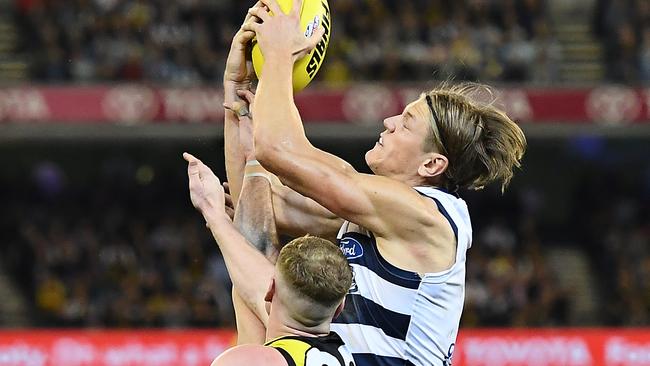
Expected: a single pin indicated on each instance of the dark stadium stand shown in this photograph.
(104, 235)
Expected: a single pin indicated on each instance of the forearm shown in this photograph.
(250, 329)
(255, 221)
(234, 156)
(277, 124)
(254, 217)
(241, 258)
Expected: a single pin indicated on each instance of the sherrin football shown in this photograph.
(313, 12)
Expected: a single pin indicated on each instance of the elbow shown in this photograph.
(272, 152)
(267, 153)
(281, 157)
(263, 150)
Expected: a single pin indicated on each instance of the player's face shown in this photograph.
(399, 150)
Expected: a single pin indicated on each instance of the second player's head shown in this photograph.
(312, 277)
(446, 138)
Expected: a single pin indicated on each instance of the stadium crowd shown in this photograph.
(615, 230)
(185, 42)
(84, 258)
(116, 252)
(126, 249)
(508, 278)
(624, 29)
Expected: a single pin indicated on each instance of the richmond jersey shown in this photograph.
(328, 350)
(397, 317)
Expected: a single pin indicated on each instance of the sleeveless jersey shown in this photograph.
(327, 350)
(397, 317)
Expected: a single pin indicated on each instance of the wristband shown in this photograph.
(252, 163)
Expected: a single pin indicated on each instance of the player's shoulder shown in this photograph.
(250, 354)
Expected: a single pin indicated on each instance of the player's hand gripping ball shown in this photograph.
(313, 12)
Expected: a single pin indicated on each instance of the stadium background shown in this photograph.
(104, 261)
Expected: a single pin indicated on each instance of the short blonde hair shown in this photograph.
(480, 141)
(315, 268)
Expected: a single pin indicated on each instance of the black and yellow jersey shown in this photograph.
(327, 350)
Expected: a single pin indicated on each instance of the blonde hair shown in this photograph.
(480, 141)
(315, 268)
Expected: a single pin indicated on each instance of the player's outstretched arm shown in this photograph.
(255, 221)
(259, 230)
(238, 75)
(282, 147)
(250, 355)
(207, 195)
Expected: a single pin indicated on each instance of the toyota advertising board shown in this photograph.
(475, 347)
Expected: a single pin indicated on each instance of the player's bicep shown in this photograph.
(367, 200)
(323, 177)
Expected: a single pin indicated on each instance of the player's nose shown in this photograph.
(389, 124)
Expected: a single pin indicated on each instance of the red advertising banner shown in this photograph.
(553, 347)
(362, 104)
(112, 348)
(474, 347)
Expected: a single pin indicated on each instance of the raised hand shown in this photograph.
(239, 66)
(206, 193)
(280, 33)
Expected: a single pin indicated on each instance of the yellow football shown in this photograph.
(313, 12)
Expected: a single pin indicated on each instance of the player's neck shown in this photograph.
(280, 325)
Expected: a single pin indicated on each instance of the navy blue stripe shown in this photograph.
(369, 359)
(359, 310)
(444, 213)
(372, 260)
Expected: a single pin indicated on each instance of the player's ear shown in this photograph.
(270, 291)
(435, 164)
(339, 309)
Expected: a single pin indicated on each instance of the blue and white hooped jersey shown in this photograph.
(397, 317)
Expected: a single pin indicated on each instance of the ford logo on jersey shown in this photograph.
(351, 248)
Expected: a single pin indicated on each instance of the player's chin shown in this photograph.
(375, 150)
(372, 159)
(369, 155)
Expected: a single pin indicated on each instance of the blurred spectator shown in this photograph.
(131, 253)
(625, 247)
(98, 261)
(624, 28)
(508, 281)
(615, 229)
(185, 42)
(94, 243)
